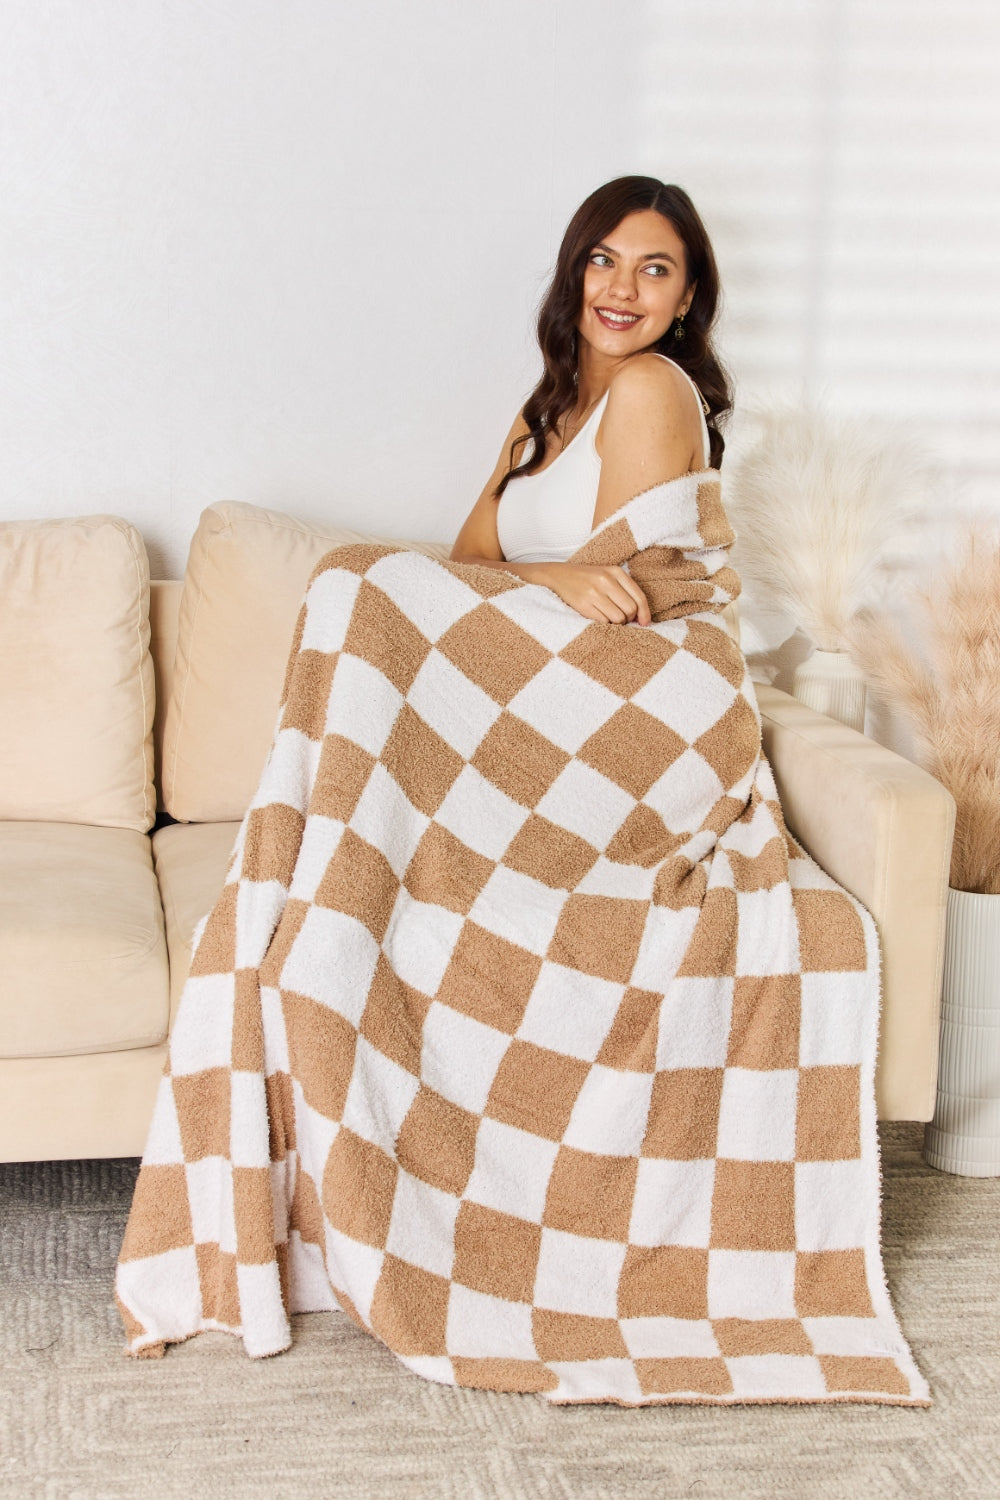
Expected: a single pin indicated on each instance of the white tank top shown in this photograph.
(547, 517)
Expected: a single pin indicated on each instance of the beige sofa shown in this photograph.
(118, 697)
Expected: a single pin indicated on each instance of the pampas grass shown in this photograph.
(949, 690)
(818, 504)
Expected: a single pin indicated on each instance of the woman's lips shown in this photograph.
(620, 324)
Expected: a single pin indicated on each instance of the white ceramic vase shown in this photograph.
(829, 682)
(964, 1136)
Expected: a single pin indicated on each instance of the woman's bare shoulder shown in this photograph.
(519, 428)
(648, 379)
(513, 449)
(650, 402)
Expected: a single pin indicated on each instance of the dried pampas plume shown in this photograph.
(818, 505)
(949, 689)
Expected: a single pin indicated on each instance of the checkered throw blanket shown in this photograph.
(521, 1031)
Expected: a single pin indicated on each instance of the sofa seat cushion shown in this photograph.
(246, 575)
(191, 864)
(76, 678)
(83, 959)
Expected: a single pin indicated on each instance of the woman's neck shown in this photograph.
(594, 374)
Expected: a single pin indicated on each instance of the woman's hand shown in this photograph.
(605, 594)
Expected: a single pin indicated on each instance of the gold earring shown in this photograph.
(679, 329)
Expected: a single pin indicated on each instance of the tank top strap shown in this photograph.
(593, 422)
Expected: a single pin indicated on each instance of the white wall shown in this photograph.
(287, 251)
(284, 251)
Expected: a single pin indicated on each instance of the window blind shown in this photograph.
(846, 157)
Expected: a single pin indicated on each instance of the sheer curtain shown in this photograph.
(846, 156)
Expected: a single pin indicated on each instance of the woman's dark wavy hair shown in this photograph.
(556, 392)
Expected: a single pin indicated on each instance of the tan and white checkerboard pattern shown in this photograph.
(521, 1031)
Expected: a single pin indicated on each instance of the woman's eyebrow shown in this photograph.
(653, 255)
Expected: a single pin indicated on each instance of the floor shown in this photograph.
(338, 1416)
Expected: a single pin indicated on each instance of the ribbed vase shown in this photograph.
(964, 1136)
(829, 682)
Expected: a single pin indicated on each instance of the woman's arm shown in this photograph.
(650, 432)
(605, 594)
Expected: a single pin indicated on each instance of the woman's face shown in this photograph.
(634, 285)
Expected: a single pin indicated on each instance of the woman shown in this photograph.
(515, 1032)
(625, 334)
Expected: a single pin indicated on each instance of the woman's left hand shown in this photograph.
(606, 594)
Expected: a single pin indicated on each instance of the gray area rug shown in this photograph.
(337, 1416)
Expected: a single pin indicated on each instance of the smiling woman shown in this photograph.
(629, 378)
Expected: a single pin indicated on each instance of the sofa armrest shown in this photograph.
(882, 828)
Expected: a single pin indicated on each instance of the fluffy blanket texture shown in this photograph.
(521, 1030)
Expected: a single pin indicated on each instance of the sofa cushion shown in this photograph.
(54, 1108)
(246, 575)
(76, 680)
(83, 960)
(191, 861)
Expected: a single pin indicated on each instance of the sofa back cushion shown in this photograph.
(246, 575)
(76, 679)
